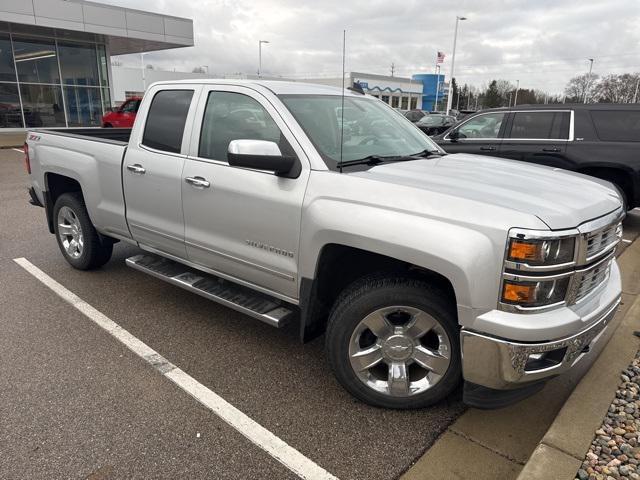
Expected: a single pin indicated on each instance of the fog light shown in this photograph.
(543, 360)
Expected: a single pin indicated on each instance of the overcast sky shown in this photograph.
(542, 43)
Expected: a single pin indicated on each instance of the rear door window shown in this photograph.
(486, 126)
(617, 126)
(166, 119)
(541, 125)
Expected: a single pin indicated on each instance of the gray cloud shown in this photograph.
(542, 43)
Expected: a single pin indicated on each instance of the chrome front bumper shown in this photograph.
(501, 364)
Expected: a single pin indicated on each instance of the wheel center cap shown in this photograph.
(398, 347)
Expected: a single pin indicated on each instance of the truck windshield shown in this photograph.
(371, 128)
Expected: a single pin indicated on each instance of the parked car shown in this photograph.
(123, 116)
(601, 140)
(435, 124)
(415, 115)
(420, 270)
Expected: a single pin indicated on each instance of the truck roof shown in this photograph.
(279, 87)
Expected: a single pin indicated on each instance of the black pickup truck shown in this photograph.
(601, 140)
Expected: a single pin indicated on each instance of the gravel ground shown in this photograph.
(615, 450)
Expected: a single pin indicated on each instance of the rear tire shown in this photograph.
(79, 242)
(414, 352)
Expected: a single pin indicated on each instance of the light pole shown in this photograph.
(515, 100)
(453, 61)
(586, 88)
(260, 42)
(144, 80)
(437, 86)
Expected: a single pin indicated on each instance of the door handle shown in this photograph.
(136, 168)
(489, 149)
(197, 182)
(551, 149)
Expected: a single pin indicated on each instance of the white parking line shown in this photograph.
(256, 433)
(19, 150)
(626, 240)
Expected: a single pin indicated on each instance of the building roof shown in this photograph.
(125, 30)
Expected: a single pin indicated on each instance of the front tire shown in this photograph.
(79, 242)
(393, 342)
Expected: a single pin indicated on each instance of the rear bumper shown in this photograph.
(502, 364)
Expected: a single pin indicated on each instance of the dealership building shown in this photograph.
(55, 68)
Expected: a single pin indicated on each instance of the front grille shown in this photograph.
(602, 240)
(589, 280)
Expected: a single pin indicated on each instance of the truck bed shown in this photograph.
(109, 135)
(93, 157)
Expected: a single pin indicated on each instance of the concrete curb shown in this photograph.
(564, 446)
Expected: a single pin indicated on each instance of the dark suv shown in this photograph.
(601, 140)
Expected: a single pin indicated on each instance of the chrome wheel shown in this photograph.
(399, 351)
(70, 232)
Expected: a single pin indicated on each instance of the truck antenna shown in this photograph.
(344, 43)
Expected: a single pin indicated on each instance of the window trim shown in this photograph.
(571, 126)
(509, 113)
(198, 120)
(494, 139)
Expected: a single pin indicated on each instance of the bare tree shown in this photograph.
(616, 88)
(198, 70)
(578, 85)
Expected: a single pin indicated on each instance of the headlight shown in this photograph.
(534, 293)
(541, 252)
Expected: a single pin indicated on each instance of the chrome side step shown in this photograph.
(240, 298)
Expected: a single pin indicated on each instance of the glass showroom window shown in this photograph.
(36, 60)
(42, 105)
(10, 113)
(81, 81)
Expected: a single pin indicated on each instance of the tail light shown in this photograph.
(27, 162)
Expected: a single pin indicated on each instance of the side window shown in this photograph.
(166, 118)
(131, 106)
(233, 116)
(482, 126)
(617, 126)
(541, 125)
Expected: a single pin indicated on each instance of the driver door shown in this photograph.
(243, 224)
(481, 135)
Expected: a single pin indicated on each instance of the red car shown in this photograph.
(124, 115)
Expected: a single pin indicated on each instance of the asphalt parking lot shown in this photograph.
(75, 403)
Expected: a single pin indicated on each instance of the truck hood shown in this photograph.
(559, 198)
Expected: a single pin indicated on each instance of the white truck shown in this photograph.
(297, 202)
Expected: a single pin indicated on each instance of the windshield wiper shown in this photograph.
(428, 153)
(377, 159)
(369, 160)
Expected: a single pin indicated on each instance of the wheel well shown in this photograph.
(340, 265)
(57, 185)
(617, 176)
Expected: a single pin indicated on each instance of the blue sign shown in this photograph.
(364, 84)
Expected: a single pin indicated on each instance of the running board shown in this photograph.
(240, 298)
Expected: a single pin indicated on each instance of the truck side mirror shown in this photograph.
(260, 155)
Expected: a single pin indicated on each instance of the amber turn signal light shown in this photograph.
(517, 293)
(519, 250)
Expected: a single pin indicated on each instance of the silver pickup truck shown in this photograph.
(293, 202)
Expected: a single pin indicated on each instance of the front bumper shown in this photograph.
(502, 364)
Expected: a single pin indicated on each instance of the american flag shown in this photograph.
(440, 57)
